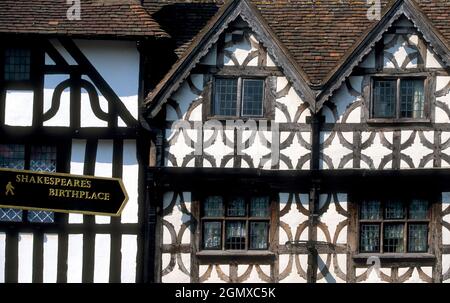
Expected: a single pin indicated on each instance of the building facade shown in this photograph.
(291, 142)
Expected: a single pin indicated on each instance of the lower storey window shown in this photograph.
(28, 157)
(235, 223)
(394, 226)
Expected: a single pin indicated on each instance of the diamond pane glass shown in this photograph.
(384, 98)
(417, 238)
(212, 235)
(10, 215)
(17, 64)
(412, 98)
(393, 238)
(12, 156)
(43, 158)
(370, 238)
(236, 207)
(394, 210)
(235, 235)
(259, 235)
(259, 207)
(225, 97)
(371, 210)
(39, 216)
(252, 97)
(213, 206)
(418, 209)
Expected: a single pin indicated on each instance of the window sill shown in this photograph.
(404, 121)
(235, 255)
(395, 257)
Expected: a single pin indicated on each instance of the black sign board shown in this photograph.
(62, 192)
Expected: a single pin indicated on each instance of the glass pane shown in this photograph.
(417, 238)
(418, 209)
(12, 156)
(236, 207)
(225, 97)
(259, 235)
(235, 235)
(213, 206)
(370, 238)
(42, 158)
(412, 98)
(252, 98)
(10, 215)
(393, 238)
(212, 235)
(259, 207)
(40, 216)
(17, 64)
(394, 210)
(371, 210)
(384, 98)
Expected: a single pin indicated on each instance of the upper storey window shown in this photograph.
(238, 97)
(17, 64)
(399, 99)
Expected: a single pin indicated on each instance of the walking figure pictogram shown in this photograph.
(9, 189)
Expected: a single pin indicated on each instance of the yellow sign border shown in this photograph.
(118, 214)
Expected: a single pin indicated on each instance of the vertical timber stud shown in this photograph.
(315, 120)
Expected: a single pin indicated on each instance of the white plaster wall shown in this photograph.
(88, 118)
(211, 57)
(118, 63)
(103, 168)
(25, 258)
(377, 151)
(180, 149)
(240, 50)
(292, 101)
(62, 117)
(369, 60)
(76, 168)
(336, 151)
(63, 52)
(176, 275)
(50, 266)
(432, 60)
(102, 256)
(254, 276)
(373, 276)
(331, 218)
(293, 218)
(177, 217)
(129, 255)
(2, 257)
(295, 150)
(415, 278)
(259, 149)
(331, 276)
(214, 277)
(19, 107)
(130, 177)
(219, 149)
(75, 258)
(417, 150)
(293, 276)
(184, 97)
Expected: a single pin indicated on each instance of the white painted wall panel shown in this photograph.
(129, 252)
(77, 167)
(50, 258)
(103, 168)
(130, 177)
(118, 63)
(19, 107)
(102, 257)
(88, 118)
(75, 259)
(62, 117)
(63, 52)
(25, 258)
(2, 256)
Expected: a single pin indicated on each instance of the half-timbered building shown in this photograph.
(69, 100)
(302, 141)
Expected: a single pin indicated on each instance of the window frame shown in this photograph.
(397, 118)
(62, 158)
(265, 102)
(37, 61)
(224, 219)
(406, 221)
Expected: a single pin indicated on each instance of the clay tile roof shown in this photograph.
(318, 34)
(118, 18)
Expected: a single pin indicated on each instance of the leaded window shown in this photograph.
(398, 98)
(394, 226)
(238, 97)
(17, 64)
(27, 157)
(235, 223)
